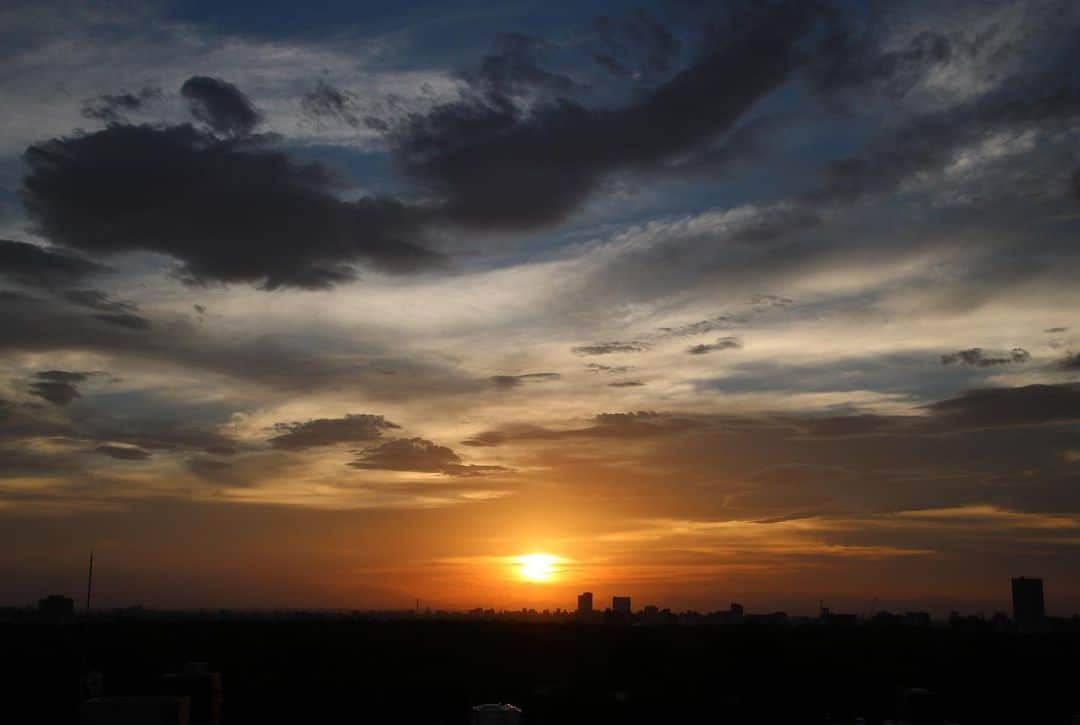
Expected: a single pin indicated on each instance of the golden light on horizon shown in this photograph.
(537, 567)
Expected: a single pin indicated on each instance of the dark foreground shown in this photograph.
(433, 671)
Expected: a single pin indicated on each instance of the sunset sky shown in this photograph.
(345, 304)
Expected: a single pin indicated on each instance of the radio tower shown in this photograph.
(89, 581)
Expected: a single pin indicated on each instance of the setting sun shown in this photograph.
(537, 567)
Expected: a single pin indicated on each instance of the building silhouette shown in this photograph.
(201, 687)
(620, 605)
(1029, 610)
(160, 710)
(56, 608)
(584, 603)
(496, 714)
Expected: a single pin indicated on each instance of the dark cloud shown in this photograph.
(608, 348)
(418, 455)
(1074, 183)
(609, 369)
(63, 376)
(126, 320)
(56, 393)
(612, 65)
(115, 312)
(1070, 362)
(327, 103)
(854, 58)
(626, 384)
(513, 70)
(1027, 405)
(113, 108)
(34, 266)
(977, 358)
(220, 105)
(643, 33)
(230, 211)
(722, 343)
(759, 304)
(207, 467)
(640, 424)
(97, 300)
(930, 142)
(541, 164)
(353, 428)
(123, 453)
(1055, 330)
(57, 386)
(513, 381)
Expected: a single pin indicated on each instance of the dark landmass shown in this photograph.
(319, 669)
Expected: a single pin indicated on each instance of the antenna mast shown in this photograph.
(90, 581)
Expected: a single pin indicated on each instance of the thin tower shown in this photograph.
(90, 581)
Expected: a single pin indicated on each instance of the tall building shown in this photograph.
(56, 608)
(584, 603)
(1029, 610)
(620, 605)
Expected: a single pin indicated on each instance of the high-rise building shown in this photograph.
(1029, 610)
(56, 608)
(620, 605)
(584, 603)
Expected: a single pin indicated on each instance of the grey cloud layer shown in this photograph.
(228, 210)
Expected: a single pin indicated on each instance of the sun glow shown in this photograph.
(537, 567)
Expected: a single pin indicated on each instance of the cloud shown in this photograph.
(975, 357)
(1055, 330)
(640, 424)
(97, 300)
(113, 108)
(123, 453)
(1027, 405)
(609, 348)
(626, 384)
(63, 376)
(34, 266)
(207, 468)
(353, 428)
(327, 103)
(513, 381)
(609, 369)
(722, 343)
(230, 211)
(1070, 362)
(55, 393)
(640, 32)
(857, 59)
(542, 164)
(930, 142)
(612, 65)
(418, 455)
(513, 70)
(115, 312)
(126, 320)
(57, 386)
(220, 105)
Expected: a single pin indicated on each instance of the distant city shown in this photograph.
(1028, 614)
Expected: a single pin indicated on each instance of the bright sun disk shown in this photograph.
(537, 567)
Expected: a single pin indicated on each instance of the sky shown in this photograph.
(350, 304)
